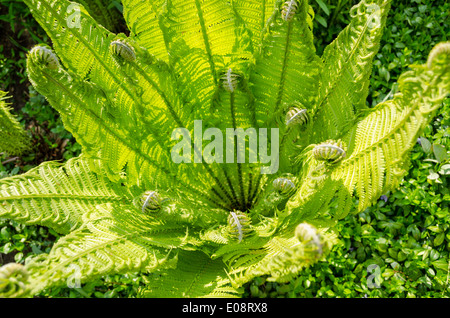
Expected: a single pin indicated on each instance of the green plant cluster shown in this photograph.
(330, 18)
(413, 27)
(13, 138)
(17, 241)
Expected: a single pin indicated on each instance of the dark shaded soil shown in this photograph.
(7, 258)
(13, 42)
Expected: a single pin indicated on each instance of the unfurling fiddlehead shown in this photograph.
(122, 49)
(44, 56)
(330, 151)
(239, 224)
(284, 186)
(289, 9)
(13, 279)
(230, 81)
(438, 50)
(307, 234)
(296, 115)
(151, 201)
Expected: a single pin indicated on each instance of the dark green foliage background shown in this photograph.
(407, 237)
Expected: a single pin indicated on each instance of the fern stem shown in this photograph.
(266, 24)
(263, 13)
(238, 165)
(160, 93)
(255, 191)
(230, 184)
(164, 30)
(206, 41)
(284, 66)
(332, 87)
(251, 106)
(283, 140)
(249, 190)
(221, 198)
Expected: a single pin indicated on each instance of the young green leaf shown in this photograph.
(440, 152)
(445, 170)
(426, 144)
(323, 6)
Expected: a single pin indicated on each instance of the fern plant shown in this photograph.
(13, 138)
(104, 13)
(207, 226)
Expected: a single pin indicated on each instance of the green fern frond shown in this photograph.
(284, 258)
(196, 275)
(152, 106)
(286, 69)
(344, 79)
(380, 143)
(207, 25)
(109, 17)
(13, 138)
(106, 243)
(135, 151)
(144, 20)
(254, 14)
(56, 195)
